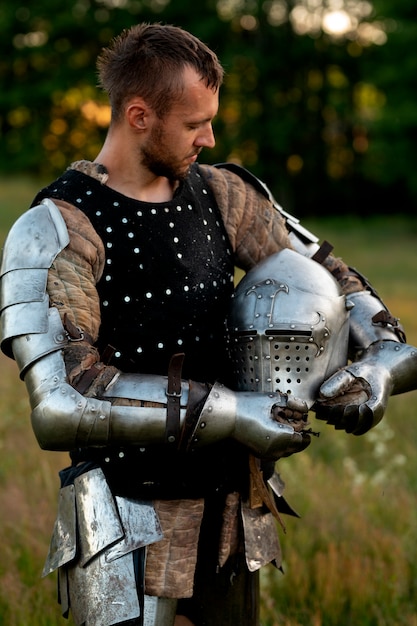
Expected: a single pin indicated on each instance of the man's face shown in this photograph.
(175, 141)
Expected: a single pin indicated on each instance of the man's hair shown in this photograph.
(148, 61)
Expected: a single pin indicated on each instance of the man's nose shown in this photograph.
(206, 138)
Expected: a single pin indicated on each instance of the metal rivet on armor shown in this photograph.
(259, 297)
(397, 348)
(257, 314)
(292, 325)
(55, 379)
(107, 459)
(292, 338)
(203, 425)
(216, 395)
(267, 356)
(101, 416)
(63, 391)
(142, 449)
(60, 337)
(171, 439)
(209, 409)
(121, 455)
(311, 339)
(268, 380)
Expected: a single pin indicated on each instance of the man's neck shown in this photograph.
(133, 181)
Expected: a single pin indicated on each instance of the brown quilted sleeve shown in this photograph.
(73, 275)
(71, 287)
(255, 228)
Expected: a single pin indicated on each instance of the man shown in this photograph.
(123, 266)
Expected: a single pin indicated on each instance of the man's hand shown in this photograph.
(347, 403)
(294, 414)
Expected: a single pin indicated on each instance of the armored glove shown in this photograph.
(355, 397)
(260, 421)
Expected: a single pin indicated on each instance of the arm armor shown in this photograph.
(382, 361)
(64, 419)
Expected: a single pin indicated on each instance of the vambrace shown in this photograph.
(63, 419)
(133, 407)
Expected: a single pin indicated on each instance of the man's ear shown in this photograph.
(138, 114)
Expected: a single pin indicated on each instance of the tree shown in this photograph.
(312, 101)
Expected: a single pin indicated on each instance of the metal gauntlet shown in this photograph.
(356, 397)
(247, 417)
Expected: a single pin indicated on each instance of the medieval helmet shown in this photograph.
(288, 327)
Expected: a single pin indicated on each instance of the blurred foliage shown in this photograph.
(323, 113)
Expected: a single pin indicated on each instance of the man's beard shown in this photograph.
(159, 161)
(162, 167)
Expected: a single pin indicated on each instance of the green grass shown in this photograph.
(350, 559)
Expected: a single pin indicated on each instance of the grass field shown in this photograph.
(351, 558)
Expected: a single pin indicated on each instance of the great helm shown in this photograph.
(288, 327)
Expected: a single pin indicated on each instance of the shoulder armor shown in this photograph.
(35, 239)
(31, 246)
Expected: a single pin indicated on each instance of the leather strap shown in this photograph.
(173, 393)
(259, 494)
(323, 252)
(197, 395)
(75, 333)
(87, 377)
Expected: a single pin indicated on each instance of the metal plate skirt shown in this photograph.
(98, 544)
